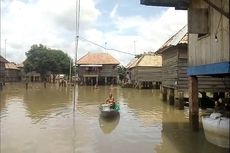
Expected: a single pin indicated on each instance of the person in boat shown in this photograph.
(110, 100)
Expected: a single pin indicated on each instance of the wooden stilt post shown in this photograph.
(105, 80)
(179, 103)
(171, 96)
(164, 93)
(84, 81)
(1, 85)
(215, 96)
(97, 80)
(193, 103)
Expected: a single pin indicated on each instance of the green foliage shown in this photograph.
(43, 60)
(121, 72)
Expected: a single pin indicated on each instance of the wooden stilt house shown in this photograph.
(12, 72)
(174, 64)
(208, 48)
(2, 70)
(98, 68)
(145, 71)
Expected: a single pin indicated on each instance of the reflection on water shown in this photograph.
(42, 120)
(107, 125)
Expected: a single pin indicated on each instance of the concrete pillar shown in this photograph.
(164, 93)
(193, 102)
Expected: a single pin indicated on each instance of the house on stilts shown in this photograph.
(208, 49)
(2, 70)
(145, 71)
(174, 66)
(98, 68)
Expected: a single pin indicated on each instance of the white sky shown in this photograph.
(117, 22)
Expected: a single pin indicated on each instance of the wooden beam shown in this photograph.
(217, 8)
(193, 103)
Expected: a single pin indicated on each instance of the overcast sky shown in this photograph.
(122, 24)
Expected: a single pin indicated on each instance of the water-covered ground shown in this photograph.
(41, 120)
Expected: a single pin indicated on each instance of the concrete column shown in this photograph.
(193, 102)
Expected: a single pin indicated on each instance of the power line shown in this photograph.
(84, 39)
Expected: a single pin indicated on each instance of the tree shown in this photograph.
(43, 60)
(121, 72)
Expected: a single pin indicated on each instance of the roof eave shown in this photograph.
(164, 49)
(178, 4)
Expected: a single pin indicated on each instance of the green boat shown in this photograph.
(108, 112)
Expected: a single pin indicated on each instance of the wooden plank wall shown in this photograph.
(2, 72)
(174, 69)
(182, 65)
(213, 84)
(151, 74)
(169, 68)
(206, 50)
(107, 70)
(12, 75)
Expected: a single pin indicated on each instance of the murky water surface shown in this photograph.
(42, 120)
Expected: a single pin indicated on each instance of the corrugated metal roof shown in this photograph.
(181, 37)
(147, 60)
(3, 60)
(131, 63)
(98, 65)
(11, 66)
(20, 65)
(97, 58)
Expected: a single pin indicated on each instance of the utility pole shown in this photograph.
(134, 46)
(0, 29)
(78, 10)
(70, 71)
(5, 48)
(105, 47)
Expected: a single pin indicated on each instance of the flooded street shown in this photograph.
(42, 120)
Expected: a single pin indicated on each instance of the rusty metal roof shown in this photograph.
(97, 58)
(131, 63)
(11, 66)
(20, 65)
(146, 60)
(181, 37)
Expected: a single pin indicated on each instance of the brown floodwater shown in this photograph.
(42, 120)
